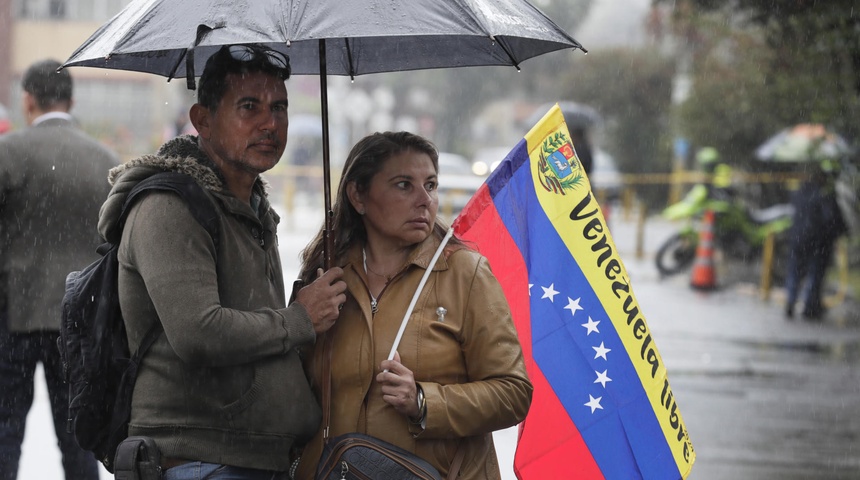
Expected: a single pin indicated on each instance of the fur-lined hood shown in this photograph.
(183, 155)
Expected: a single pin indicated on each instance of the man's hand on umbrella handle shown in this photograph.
(324, 298)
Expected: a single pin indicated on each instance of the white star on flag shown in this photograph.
(591, 326)
(549, 292)
(602, 378)
(573, 305)
(530, 288)
(594, 403)
(601, 351)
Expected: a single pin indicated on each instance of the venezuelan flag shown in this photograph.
(602, 405)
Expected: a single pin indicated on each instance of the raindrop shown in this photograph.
(53, 167)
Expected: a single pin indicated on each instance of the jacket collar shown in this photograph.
(52, 119)
(420, 255)
(183, 155)
(178, 155)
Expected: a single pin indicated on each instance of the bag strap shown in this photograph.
(199, 204)
(454, 471)
(148, 339)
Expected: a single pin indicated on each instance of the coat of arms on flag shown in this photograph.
(602, 405)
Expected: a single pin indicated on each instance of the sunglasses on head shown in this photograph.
(245, 53)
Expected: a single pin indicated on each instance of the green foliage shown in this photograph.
(632, 91)
(731, 107)
(760, 66)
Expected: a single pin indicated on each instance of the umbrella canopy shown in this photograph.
(803, 143)
(361, 36)
(338, 37)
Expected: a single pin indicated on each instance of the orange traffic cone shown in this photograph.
(704, 277)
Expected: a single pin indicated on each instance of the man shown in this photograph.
(52, 182)
(816, 226)
(222, 390)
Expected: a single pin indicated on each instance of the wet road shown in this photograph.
(762, 397)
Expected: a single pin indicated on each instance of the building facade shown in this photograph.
(128, 111)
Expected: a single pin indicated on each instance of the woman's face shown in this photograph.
(401, 204)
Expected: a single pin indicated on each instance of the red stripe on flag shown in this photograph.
(550, 444)
(486, 232)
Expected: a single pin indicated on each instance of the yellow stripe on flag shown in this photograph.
(565, 194)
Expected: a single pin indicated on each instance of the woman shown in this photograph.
(459, 373)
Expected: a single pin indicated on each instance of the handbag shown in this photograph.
(356, 456)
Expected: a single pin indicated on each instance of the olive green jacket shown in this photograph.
(224, 383)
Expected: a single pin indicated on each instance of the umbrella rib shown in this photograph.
(349, 59)
(172, 73)
(507, 52)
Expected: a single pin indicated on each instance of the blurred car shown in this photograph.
(457, 183)
(487, 159)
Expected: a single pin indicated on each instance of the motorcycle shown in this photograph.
(739, 231)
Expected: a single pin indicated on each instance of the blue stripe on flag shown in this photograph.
(561, 346)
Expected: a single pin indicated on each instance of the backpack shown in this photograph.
(97, 364)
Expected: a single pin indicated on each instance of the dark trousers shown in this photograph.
(808, 264)
(19, 354)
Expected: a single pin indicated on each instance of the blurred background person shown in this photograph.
(5, 123)
(181, 125)
(817, 224)
(53, 180)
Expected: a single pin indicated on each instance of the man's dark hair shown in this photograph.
(213, 82)
(48, 86)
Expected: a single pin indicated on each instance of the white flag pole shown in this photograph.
(418, 292)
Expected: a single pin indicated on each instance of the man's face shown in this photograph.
(248, 132)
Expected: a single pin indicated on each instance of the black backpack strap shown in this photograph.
(202, 209)
(148, 339)
(199, 203)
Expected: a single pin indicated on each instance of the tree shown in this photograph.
(761, 65)
(632, 90)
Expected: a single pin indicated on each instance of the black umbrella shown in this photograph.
(338, 37)
(805, 142)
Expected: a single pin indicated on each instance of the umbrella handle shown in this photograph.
(328, 238)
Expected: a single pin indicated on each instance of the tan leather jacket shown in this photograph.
(469, 363)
